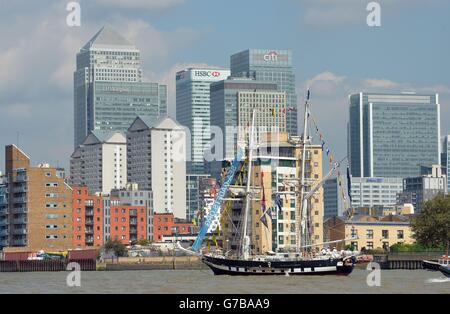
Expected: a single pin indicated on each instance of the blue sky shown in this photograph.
(335, 52)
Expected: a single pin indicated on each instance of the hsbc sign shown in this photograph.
(209, 75)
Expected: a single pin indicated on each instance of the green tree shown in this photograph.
(432, 226)
(143, 242)
(117, 247)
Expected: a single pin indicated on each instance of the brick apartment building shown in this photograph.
(168, 225)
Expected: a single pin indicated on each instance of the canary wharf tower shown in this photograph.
(109, 92)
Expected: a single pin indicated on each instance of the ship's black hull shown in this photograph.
(223, 266)
(445, 270)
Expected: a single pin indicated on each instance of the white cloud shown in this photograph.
(326, 76)
(379, 83)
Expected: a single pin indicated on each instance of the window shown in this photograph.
(354, 233)
(354, 245)
(400, 234)
(369, 234)
(370, 245)
(385, 234)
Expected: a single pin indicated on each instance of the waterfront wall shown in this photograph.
(45, 265)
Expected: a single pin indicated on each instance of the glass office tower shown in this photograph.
(392, 135)
(108, 89)
(193, 110)
(270, 66)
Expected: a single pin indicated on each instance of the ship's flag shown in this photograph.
(349, 184)
(279, 202)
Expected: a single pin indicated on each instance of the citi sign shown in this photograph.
(271, 56)
(207, 73)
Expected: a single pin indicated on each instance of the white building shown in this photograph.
(156, 154)
(100, 163)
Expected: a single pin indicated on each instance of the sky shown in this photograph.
(335, 53)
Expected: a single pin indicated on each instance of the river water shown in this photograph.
(204, 282)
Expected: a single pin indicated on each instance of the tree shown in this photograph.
(117, 247)
(432, 226)
(143, 242)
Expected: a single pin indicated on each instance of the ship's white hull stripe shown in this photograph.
(277, 270)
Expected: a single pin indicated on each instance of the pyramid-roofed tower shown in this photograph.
(108, 37)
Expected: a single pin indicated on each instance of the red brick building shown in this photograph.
(167, 225)
(128, 222)
(88, 218)
(95, 215)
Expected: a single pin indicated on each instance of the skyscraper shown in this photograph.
(270, 66)
(446, 159)
(108, 89)
(232, 104)
(392, 135)
(193, 110)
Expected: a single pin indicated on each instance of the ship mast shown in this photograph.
(301, 218)
(245, 253)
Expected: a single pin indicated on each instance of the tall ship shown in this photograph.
(250, 226)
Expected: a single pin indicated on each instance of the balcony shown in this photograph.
(89, 213)
(133, 230)
(133, 221)
(20, 200)
(21, 178)
(20, 189)
(19, 242)
(20, 231)
(19, 210)
(89, 240)
(20, 221)
(89, 221)
(89, 230)
(4, 242)
(4, 232)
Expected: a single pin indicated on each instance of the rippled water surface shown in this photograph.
(203, 282)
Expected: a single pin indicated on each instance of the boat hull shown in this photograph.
(223, 266)
(430, 265)
(445, 270)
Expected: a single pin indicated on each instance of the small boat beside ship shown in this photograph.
(431, 265)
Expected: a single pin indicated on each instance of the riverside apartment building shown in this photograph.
(35, 205)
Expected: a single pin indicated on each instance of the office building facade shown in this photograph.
(367, 193)
(392, 135)
(445, 161)
(425, 187)
(108, 89)
(232, 104)
(270, 66)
